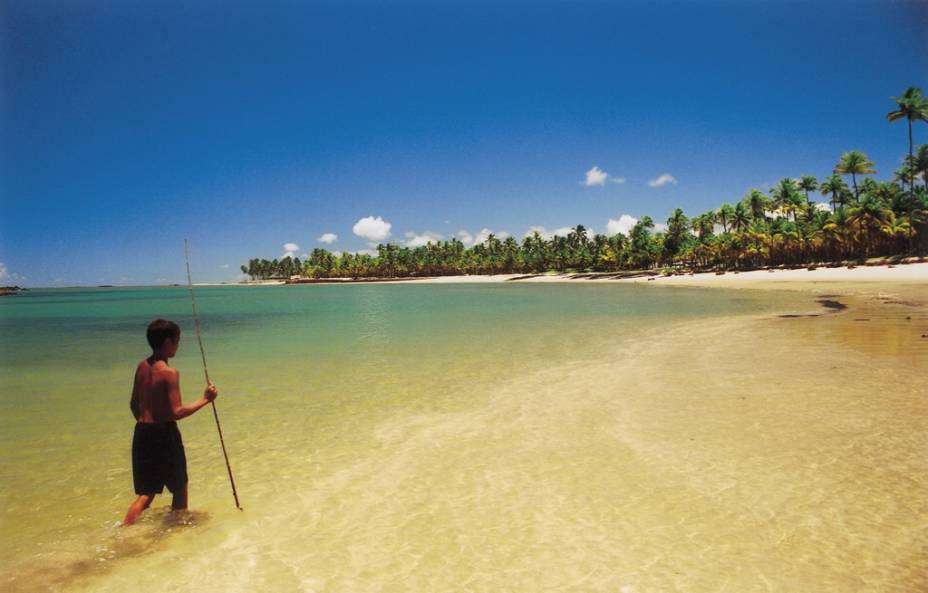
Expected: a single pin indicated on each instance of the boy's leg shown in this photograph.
(135, 509)
(179, 503)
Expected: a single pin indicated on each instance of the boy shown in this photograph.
(158, 458)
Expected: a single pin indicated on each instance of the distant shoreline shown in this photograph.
(914, 272)
(896, 273)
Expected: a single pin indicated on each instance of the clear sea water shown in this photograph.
(491, 437)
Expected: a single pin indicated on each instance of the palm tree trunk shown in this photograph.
(911, 199)
(911, 158)
(854, 179)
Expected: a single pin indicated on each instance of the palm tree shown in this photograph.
(724, 215)
(640, 242)
(897, 230)
(677, 233)
(757, 202)
(808, 183)
(741, 217)
(855, 163)
(869, 186)
(577, 236)
(834, 233)
(703, 224)
(786, 196)
(868, 217)
(913, 106)
(836, 188)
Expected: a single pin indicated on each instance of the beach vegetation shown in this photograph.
(783, 227)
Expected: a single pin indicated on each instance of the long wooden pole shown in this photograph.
(196, 321)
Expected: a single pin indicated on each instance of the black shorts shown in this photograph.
(158, 458)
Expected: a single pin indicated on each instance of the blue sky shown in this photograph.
(127, 127)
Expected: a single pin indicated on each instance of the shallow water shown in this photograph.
(475, 438)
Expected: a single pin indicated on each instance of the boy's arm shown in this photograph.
(177, 408)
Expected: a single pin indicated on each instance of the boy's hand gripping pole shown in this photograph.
(196, 321)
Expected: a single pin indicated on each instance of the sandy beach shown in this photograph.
(774, 278)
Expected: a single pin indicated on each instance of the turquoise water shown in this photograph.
(310, 379)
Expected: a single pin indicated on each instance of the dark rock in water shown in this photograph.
(830, 304)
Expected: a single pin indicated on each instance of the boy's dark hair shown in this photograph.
(160, 330)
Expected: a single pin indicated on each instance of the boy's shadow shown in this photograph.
(116, 543)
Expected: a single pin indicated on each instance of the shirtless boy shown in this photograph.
(158, 458)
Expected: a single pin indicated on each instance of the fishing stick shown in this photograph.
(196, 321)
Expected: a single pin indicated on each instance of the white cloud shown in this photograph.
(595, 177)
(663, 180)
(290, 249)
(414, 240)
(825, 206)
(485, 233)
(466, 238)
(621, 225)
(372, 229)
(618, 179)
(8, 276)
(224, 266)
(548, 234)
(328, 238)
(660, 227)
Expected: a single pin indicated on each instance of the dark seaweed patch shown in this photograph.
(830, 304)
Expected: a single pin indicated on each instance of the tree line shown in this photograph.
(865, 218)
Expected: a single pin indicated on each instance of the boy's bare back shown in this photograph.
(156, 384)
